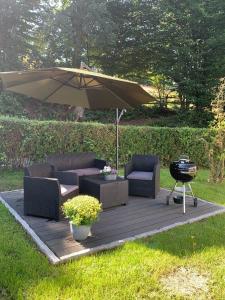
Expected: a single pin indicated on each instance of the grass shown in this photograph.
(11, 180)
(132, 271)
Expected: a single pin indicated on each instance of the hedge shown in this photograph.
(25, 141)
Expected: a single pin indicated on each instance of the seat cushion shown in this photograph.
(140, 175)
(85, 172)
(67, 189)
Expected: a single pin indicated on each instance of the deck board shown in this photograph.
(139, 217)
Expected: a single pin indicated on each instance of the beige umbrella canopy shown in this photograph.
(75, 87)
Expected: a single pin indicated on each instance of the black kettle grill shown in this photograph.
(183, 171)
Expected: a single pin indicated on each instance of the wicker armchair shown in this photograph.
(143, 175)
(45, 194)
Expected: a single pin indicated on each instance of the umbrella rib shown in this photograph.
(58, 88)
(85, 86)
(117, 96)
(65, 82)
(90, 81)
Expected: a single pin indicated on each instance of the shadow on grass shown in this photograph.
(186, 240)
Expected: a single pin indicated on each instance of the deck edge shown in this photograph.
(41, 245)
(115, 244)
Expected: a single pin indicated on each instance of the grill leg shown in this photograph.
(190, 188)
(193, 196)
(184, 198)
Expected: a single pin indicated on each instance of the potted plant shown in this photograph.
(82, 211)
(109, 173)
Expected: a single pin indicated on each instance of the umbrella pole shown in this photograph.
(118, 117)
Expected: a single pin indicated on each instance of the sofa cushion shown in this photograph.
(67, 189)
(85, 172)
(140, 175)
(63, 162)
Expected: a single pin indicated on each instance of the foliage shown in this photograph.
(24, 107)
(193, 118)
(215, 144)
(18, 23)
(190, 38)
(182, 40)
(20, 106)
(73, 32)
(11, 179)
(82, 210)
(24, 141)
(163, 87)
(141, 112)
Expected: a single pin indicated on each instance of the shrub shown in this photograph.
(82, 210)
(27, 141)
(215, 144)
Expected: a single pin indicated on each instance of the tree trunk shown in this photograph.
(182, 101)
(78, 41)
(77, 32)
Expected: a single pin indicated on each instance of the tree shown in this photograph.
(164, 88)
(18, 21)
(182, 40)
(74, 32)
(215, 142)
(190, 37)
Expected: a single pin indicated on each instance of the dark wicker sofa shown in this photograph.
(81, 164)
(143, 175)
(44, 194)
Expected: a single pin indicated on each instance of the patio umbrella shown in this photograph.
(77, 87)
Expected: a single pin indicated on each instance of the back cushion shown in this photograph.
(84, 160)
(144, 162)
(73, 161)
(38, 170)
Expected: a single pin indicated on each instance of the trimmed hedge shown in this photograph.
(24, 141)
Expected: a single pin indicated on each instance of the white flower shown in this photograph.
(107, 169)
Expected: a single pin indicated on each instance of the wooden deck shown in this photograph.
(141, 217)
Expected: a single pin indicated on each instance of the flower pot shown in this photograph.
(81, 232)
(110, 177)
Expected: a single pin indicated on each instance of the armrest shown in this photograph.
(128, 168)
(41, 183)
(69, 178)
(42, 197)
(100, 163)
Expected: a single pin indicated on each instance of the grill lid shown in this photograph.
(183, 169)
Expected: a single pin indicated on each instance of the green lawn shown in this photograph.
(11, 180)
(132, 271)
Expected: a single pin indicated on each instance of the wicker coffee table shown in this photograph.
(109, 192)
